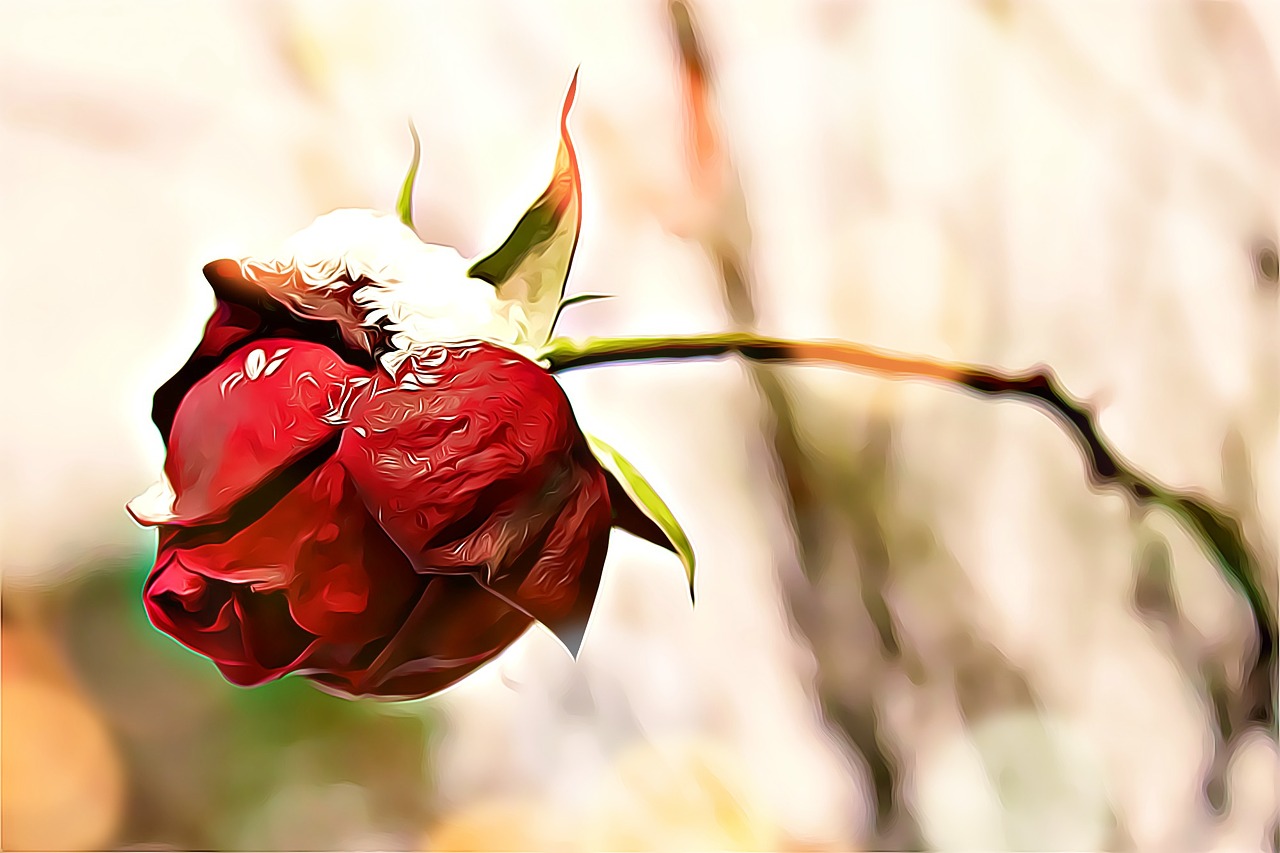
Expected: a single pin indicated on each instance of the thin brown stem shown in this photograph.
(1218, 532)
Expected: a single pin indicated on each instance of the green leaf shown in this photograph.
(531, 266)
(404, 204)
(646, 499)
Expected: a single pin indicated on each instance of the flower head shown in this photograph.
(369, 480)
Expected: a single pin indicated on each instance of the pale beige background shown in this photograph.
(1078, 184)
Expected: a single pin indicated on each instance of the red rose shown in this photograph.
(369, 482)
(383, 534)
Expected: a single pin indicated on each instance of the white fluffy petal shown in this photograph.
(371, 274)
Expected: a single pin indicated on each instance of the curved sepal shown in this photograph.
(404, 204)
(641, 511)
(530, 268)
(578, 299)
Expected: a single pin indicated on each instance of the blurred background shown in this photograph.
(918, 626)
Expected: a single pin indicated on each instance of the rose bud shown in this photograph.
(369, 480)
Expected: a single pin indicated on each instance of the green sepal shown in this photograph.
(578, 299)
(531, 266)
(647, 501)
(404, 204)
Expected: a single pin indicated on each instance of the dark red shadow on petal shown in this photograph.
(454, 627)
(248, 635)
(257, 503)
(557, 579)
(272, 637)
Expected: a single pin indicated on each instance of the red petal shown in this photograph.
(560, 586)
(315, 587)
(455, 627)
(261, 409)
(244, 312)
(459, 455)
(208, 616)
(475, 465)
(231, 324)
(343, 579)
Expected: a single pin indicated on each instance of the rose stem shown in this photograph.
(1218, 532)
